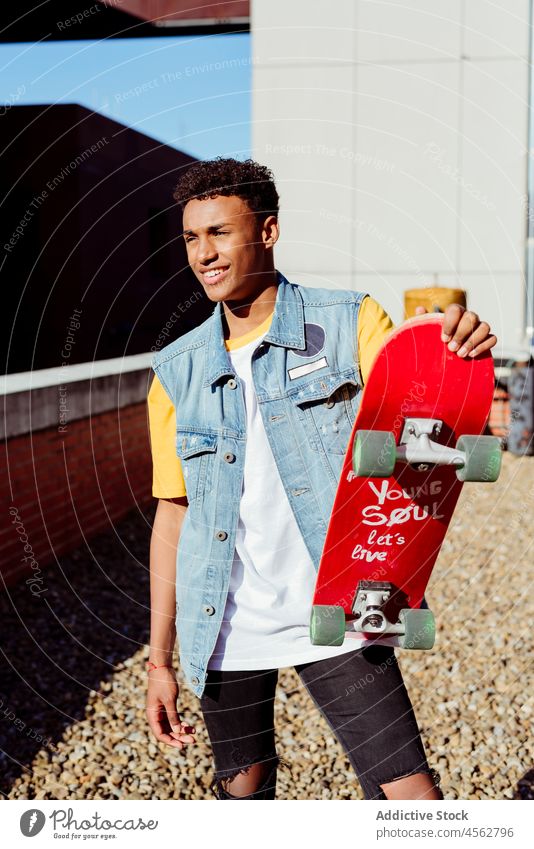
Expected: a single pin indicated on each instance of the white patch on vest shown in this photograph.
(299, 371)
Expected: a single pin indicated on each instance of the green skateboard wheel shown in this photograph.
(327, 625)
(419, 628)
(483, 458)
(374, 454)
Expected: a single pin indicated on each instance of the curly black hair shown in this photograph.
(250, 181)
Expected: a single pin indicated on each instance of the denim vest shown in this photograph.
(308, 385)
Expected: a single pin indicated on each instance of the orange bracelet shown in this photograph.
(150, 666)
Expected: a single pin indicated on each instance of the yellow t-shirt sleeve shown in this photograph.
(167, 477)
(374, 326)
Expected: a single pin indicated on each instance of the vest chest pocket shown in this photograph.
(197, 456)
(327, 408)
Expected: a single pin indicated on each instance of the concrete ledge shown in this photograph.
(53, 397)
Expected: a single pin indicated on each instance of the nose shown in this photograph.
(206, 250)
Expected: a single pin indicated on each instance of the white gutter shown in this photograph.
(60, 375)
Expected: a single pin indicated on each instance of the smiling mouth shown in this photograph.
(214, 274)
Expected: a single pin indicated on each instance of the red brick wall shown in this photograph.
(61, 487)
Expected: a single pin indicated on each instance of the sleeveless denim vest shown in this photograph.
(308, 385)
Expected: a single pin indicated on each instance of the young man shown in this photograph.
(250, 416)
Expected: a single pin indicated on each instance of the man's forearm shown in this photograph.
(163, 544)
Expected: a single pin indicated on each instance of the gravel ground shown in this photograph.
(72, 687)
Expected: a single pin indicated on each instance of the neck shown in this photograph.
(241, 318)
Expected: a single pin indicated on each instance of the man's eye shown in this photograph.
(221, 233)
(189, 239)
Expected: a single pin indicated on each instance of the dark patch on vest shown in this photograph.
(314, 335)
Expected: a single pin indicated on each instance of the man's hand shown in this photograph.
(464, 332)
(161, 712)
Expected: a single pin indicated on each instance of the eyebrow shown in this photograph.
(209, 229)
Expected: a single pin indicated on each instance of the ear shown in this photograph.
(270, 231)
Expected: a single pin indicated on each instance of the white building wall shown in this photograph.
(397, 133)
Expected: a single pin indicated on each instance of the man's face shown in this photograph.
(226, 247)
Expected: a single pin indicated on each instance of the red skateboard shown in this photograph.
(416, 439)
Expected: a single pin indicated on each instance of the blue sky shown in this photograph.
(191, 92)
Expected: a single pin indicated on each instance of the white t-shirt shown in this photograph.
(267, 614)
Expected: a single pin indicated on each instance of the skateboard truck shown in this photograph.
(414, 627)
(367, 607)
(416, 446)
(375, 452)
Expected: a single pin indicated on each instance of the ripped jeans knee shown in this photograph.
(432, 773)
(266, 790)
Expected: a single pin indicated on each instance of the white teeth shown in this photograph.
(214, 273)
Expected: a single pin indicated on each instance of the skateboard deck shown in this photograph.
(416, 438)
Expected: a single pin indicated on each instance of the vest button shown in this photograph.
(209, 609)
(229, 457)
(231, 384)
(195, 680)
(221, 535)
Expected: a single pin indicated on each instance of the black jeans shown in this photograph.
(362, 696)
